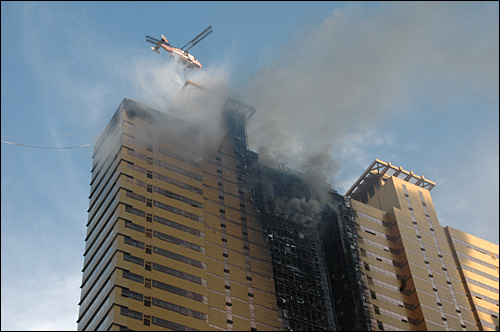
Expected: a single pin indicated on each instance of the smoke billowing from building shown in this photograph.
(363, 65)
(335, 80)
(198, 106)
(299, 210)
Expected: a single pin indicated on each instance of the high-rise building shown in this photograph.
(188, 231)
(417, 274)
(172, 239)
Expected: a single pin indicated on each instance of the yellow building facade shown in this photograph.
(417, 274)
(172, 239)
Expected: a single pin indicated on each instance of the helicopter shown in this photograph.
(188, 61)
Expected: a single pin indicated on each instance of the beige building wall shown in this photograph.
(477, 261)
(413, 275)
(172, 242)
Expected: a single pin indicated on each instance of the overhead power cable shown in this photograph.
(77, 132)
(47, 147)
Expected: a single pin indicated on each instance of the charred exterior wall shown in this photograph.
(313, 250)
(301, 281)
(338, 235)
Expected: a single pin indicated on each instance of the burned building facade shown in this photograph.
(188, 235)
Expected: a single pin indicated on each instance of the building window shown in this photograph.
(132, 276)
(131, 209)
(131, 313)
(130, 294)
(133, 259)
(147, 301)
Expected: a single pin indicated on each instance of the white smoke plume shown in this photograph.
(199, 105)
(363, 66)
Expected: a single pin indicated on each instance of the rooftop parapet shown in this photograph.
(382, 169)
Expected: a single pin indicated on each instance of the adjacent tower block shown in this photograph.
(417, 274)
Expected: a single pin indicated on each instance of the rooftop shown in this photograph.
(380, 168)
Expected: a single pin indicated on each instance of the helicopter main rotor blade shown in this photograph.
(199, 40)
(195, 38)
(152, 38)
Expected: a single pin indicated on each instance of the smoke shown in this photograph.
(198, 106)
(299, 210)
(364, 65)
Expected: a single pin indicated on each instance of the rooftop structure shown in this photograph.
(380, 169)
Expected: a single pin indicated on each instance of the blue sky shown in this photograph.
(336, 85)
